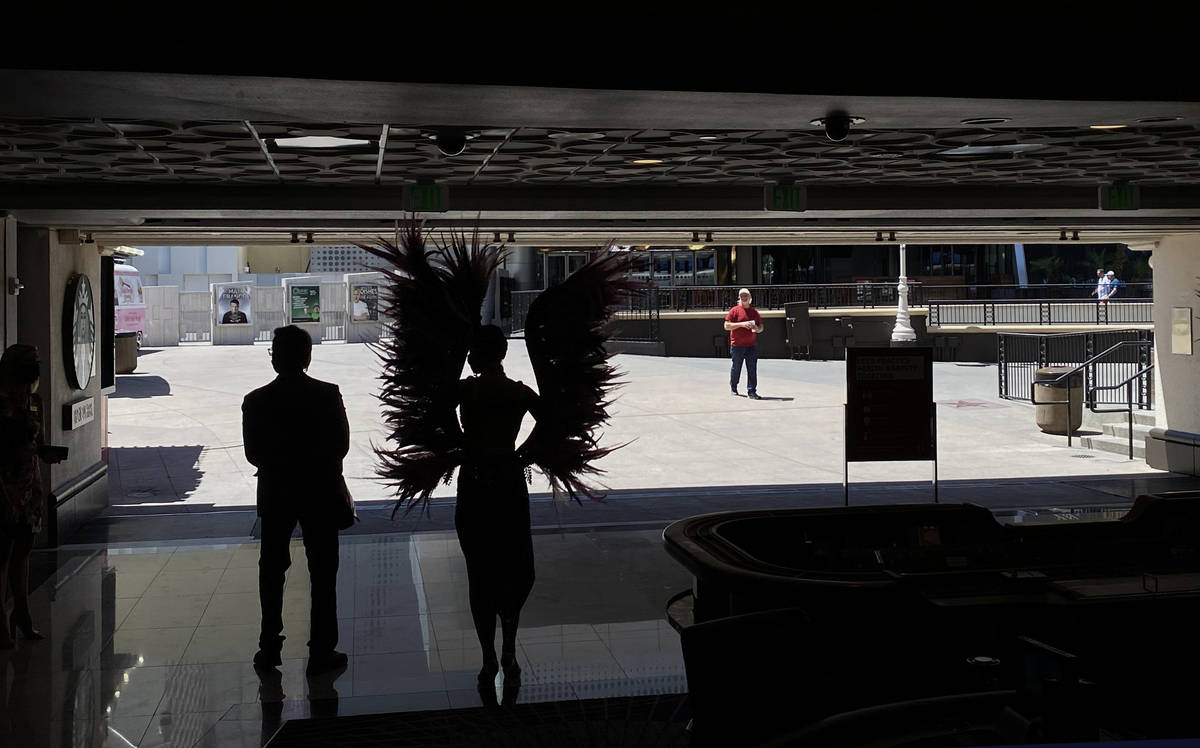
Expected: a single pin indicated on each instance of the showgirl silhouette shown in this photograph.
(434, 297)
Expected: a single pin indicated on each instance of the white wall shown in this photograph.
(1176, 280)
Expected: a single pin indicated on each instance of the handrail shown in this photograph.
(1066, 375)
(1128, 384)
(1093, 359)
(1122, 383)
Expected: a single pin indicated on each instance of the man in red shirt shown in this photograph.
(744, 324)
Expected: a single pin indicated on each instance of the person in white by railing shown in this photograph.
(1101, 284)
(1111, 287)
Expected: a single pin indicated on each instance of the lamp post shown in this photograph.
(903, 333)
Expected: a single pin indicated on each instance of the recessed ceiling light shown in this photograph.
(884, 154)
(982, 150)
(710, 137)
(1156, 120)
(576, 135)
(984, 120)
(1107, 127)
(319, 141)
(647, 161)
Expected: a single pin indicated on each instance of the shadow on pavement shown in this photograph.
(152, 474)
(141, 385)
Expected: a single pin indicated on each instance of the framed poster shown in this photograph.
(233, 304)
(305, 303)
(364, 303)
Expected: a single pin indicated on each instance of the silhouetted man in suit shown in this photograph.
(296, 433)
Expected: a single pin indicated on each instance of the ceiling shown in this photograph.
(187, 158)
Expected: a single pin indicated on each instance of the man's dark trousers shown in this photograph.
(321, 549)
(749, 354)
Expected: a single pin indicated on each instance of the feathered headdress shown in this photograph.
(432, 303)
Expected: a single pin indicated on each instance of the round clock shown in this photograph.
(79, 331)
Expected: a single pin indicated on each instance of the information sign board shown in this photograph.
(889, 404)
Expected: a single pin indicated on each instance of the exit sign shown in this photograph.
(425, 198)
(1120, 196)
(785, 197)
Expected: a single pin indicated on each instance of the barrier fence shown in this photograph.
(870, 294)
(1020, 355)
(1040, 312)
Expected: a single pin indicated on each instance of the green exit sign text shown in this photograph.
(785, 197)
(425, 198)
(1120, 196)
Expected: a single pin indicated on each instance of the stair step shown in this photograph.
(1121, 430)
(1115, 445)
(1142, 417)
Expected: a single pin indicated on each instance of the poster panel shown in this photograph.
(364, 303)
(233, 303)
(305, 303)
(889, 393)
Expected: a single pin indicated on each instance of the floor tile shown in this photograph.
(393, 634)
(167, 612)
(191, 559)
(162, 646)
(397, 673)
(190, 582)
(233, 609)
(133, 583)
(224, 643)
(122, 732)
(238, 579)
(178, 729)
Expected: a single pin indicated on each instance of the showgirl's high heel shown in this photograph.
(487, 675)
(512, 671)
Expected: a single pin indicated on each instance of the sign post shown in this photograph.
(890, 413)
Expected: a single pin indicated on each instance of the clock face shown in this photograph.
(79, 331)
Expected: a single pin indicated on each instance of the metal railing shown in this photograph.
(713, 298)
(638, 320)
(1032, 292)
(870, 294)
(1106, 359)
(1040, 312)
(1128, 385)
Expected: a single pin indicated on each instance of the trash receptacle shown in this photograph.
(1053, 418)
(798, 330)
(127, 352)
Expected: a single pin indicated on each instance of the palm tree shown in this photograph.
(1050, 266)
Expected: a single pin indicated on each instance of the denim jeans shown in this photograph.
(749, 354)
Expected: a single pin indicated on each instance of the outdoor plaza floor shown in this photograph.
(157, 600)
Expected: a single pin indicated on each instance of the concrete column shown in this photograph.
(1175, 443)
(77, 488)
(743, 266)
(523, 263)
(9, 276)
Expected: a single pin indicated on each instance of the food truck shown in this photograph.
(130, 304)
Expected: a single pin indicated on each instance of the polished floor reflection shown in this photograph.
(150, 645)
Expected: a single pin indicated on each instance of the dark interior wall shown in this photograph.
(78, 487)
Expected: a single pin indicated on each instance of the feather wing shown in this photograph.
(565, 333)
(432, 302)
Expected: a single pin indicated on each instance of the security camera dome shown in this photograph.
(451, 142)
(837, 126)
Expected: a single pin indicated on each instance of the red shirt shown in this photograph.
(742, 335)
